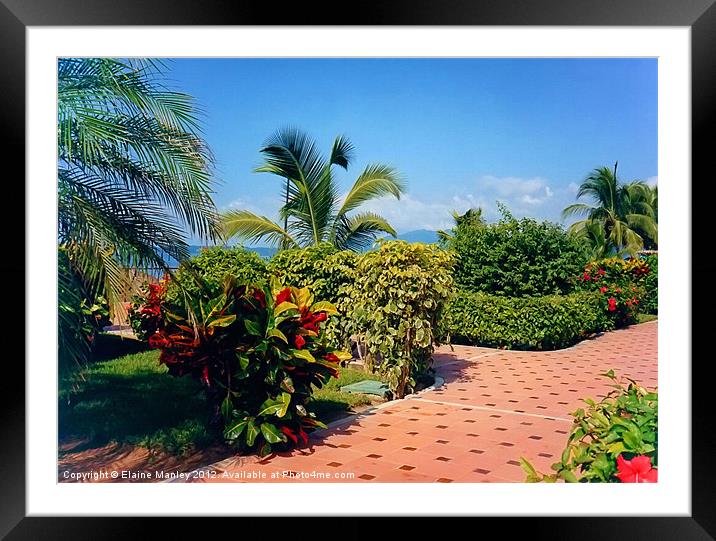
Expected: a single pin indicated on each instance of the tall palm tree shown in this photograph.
(134, 174)
(314, 211)
(622, 212)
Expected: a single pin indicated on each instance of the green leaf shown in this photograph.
(270, 407)
(277, 334)
(286, 401)
(227, 407)
(283, 307)
(252, 327)
(272, 434)
(234, 430)
(303, 354)
(287, 385)
(222, 321)
(568, 476)
(324, 306)
(251, 432)
(243, 361)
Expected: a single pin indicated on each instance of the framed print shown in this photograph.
(401, 265)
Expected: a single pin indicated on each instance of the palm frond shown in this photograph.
(375, 181)
(360, 230)
(253, 228)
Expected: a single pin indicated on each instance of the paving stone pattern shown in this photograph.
(494, 407)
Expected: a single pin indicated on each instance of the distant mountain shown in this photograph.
(420, 235)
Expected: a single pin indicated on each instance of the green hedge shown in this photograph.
(549, 322)
(516, 258)
(212, 265)
(650, 301)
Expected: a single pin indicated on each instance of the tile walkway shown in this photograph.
(494, 407)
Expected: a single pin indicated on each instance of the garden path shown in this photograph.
(494, 407)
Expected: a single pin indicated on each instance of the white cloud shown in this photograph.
(652, 181)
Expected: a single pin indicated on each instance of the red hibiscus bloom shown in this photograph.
(283, 296)
(586, 277)
(331, 357)
(603, 289)
(612, 304)
(158, 341)
(299, 341)
(290, 434)
(636, 470)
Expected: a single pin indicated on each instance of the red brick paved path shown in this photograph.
(494, 407)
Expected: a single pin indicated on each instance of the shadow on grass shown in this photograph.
(143, 407)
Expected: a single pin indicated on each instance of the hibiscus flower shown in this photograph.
(636, 470)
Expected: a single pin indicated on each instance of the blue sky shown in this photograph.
(462, 132)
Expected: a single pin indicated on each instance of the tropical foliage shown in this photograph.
(470, 219)
(515, 258)
(397, 305)
(541, 323)
(212, 266)
(614, 440)
(315, 211)
(133, 173)
(258, 351)
(619, 219)
(329, 273)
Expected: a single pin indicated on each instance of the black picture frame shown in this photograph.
(16, 15)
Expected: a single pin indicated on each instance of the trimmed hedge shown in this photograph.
(212, 265)
(549, 322)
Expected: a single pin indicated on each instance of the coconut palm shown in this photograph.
(314, 211)
(133, 173)
(624, 213)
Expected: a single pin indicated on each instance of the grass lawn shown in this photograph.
(643, 318)
(131, 399)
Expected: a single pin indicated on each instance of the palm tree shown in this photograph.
(623, 213)
(471, 217)
(314, 211)
(134, 174)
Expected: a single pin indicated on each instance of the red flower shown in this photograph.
(618, 290)
(635, 300)
(612, 304)
(586, 276)
(601, 272)
(636, 470)
(158, 341)
(290, 434)
(603, 289)
(283, 296)
(331, 357)
(299, 341)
